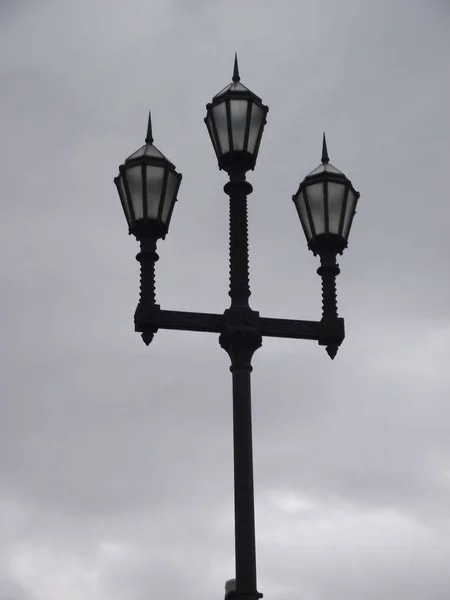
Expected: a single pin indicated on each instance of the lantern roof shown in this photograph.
(236, 87)
(326, 166)
(148, 150)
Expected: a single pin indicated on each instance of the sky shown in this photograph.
(115, 458)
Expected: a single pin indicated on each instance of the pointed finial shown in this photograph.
(325, 158)
(149, 138)
(236, 76)
(331, 351)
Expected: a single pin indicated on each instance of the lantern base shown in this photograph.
(237, 161)
(148, 228)
(327, 244)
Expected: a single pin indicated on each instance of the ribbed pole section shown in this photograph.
(147, 258)
(329, 270)
(239, 260)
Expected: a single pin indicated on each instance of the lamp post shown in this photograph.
(148, 184)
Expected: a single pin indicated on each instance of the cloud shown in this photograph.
(116, 459)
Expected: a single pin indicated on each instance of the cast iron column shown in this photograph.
(240, 339)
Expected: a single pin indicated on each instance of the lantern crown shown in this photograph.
(236, 87)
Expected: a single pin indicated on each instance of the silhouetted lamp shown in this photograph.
(235, 120)
(326, 203)
(148, 185)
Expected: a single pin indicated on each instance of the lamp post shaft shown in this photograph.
(244, 509)
(240, 339)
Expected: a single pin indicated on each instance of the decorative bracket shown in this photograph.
(242, 336)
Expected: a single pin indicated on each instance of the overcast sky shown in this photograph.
(115, 458)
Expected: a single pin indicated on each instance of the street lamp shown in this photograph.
(235, 120)
(148, 185)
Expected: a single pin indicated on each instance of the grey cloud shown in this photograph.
(115, 459)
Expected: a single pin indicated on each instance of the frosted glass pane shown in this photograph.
(212, 135)
(138, 153)
(153, 152)
(349, 212)
(123, 198)
(235, 87)
(255, 126)
(302, 212)
(320, 169)
(238, 109)
(336, 193)
(155, 177)
(134, 179)
(147, 150)
(169, 197)
(315, 197)
(220, 119)
(327, 167)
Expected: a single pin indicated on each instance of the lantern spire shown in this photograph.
(149, 137)
(325, 157)
(236, 76)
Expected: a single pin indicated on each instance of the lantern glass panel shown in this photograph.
(212, 134)
(325, 168)
(220, 120)
(134, 180)
(148, 150)
(154, 181)
(238, 111)
(123, 198)
(256, 122)
(336, 192)
(169, 198)
(315, 195)
(303, 214)
(349, 212)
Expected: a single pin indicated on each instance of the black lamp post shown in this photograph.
(326, 200)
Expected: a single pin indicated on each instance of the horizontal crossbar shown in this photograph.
(214, 323)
